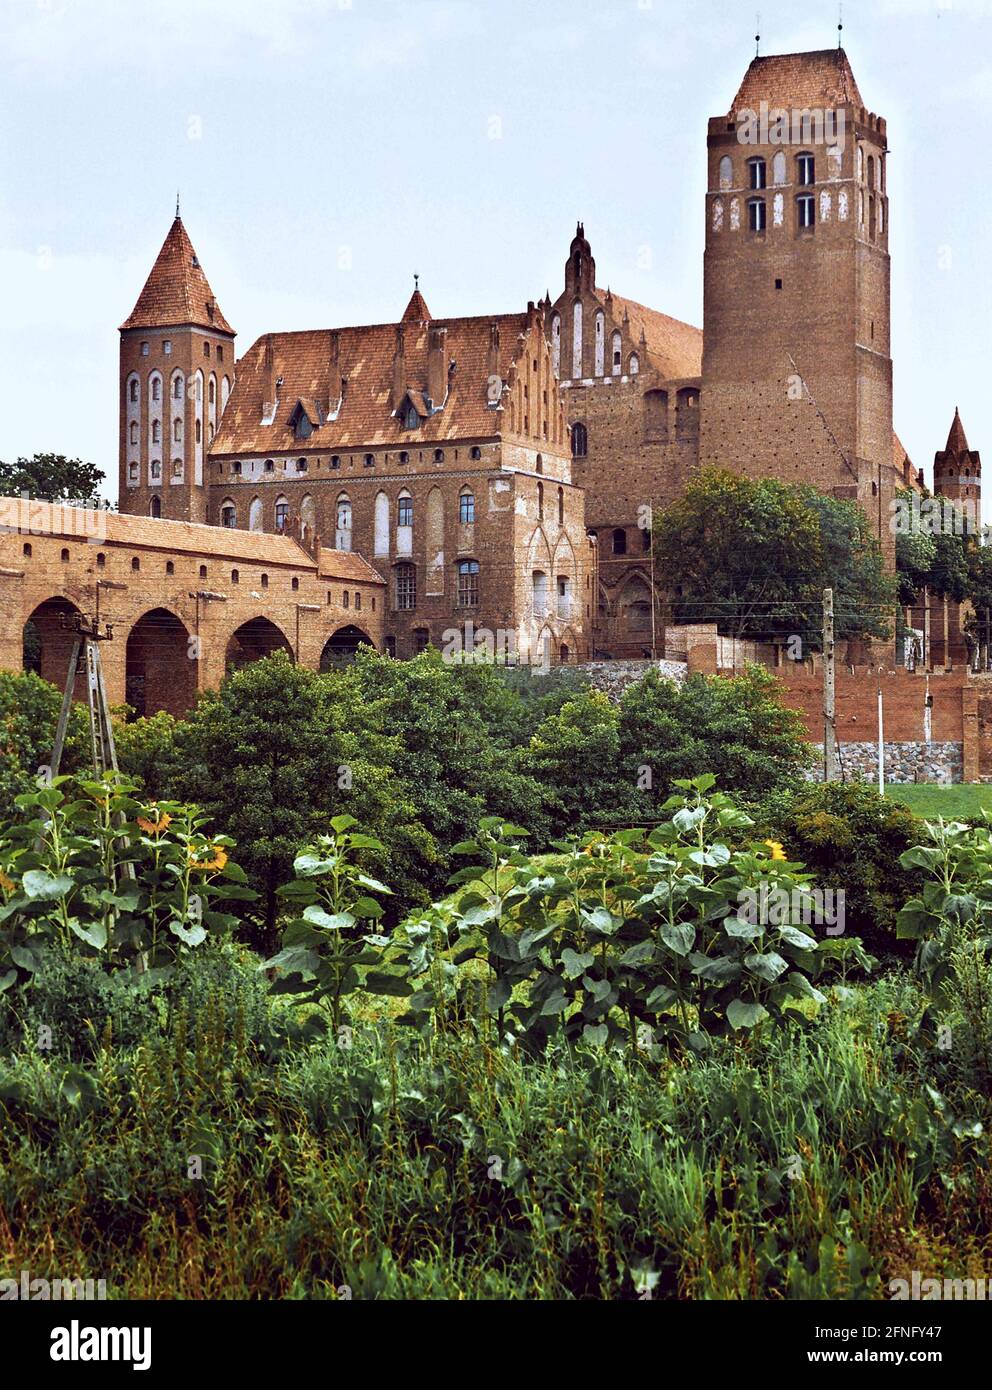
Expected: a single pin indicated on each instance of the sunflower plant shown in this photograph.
(639, 939)
(87, 866)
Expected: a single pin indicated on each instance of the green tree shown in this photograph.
(736, 728)
(450, 726)
(271, 757)
(29, 711)
(574, 754)
(754, 556)
(52, 477)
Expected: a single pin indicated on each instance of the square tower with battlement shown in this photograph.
(797, 373)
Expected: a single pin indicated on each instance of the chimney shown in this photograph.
(437, 366)
(333, 370)
(399, 369)
(269, 388)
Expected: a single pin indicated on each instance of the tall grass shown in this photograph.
(812, 1164)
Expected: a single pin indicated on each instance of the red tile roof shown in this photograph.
(177, 291)
(416, 311)
(675, 349)
(346, 564)
(957, 443)
(365, 360)
(216, 542)
(822, 78)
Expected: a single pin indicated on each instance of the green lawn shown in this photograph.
(963, 801)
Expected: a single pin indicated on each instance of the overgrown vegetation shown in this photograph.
(591, 1063)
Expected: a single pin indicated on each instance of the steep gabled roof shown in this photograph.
(177, 292)
(822, 78)
(365, 361)
(675, 349)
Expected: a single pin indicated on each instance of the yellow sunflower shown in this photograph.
(777, 851)
(217, 859)
(155, 827)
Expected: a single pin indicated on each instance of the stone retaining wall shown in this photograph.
(904, 762)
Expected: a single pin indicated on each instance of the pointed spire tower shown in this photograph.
(957, 471)
(176, 372)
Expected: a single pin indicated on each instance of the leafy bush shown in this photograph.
(852, 839)
(736, 728)
(73, 1007)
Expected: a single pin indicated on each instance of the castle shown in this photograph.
(496, 475)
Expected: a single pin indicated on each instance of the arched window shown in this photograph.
(282, 513)
(342, 532)
(757, 214)
(156, 389)
(177, 387)
(656, 416)
(134, 431)
(468, 583)
(540, 501)
(539, 589)
(255, 515)
(617, 354)
(406, 587)
(199, 431)
(133, 389)
(212, 391)
(154, 510)
(805, 169)
(308, 517)
(871, 171)
(177, 431)
(561, 506)
(619, 541)
(404, 510)
(466, 507)
(687, 414)
(225, 391)
(381, 526)
(757, 173)
(228, 515)
(156, 432)
(600, 343)
(861, 163)
(726, 172)
(577, 339)
(778, 168)
(556, 344)
(635, 364)
(580, 441)
(539, 464)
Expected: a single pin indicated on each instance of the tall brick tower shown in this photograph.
(797, 377)
(957, 472)
(177, 369)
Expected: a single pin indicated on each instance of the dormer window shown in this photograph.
(304, 419)
(412, 418)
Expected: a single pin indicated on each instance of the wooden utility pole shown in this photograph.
(654, 639)
(927, 662)
(830, 772)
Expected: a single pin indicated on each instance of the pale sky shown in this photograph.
(327, 149)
